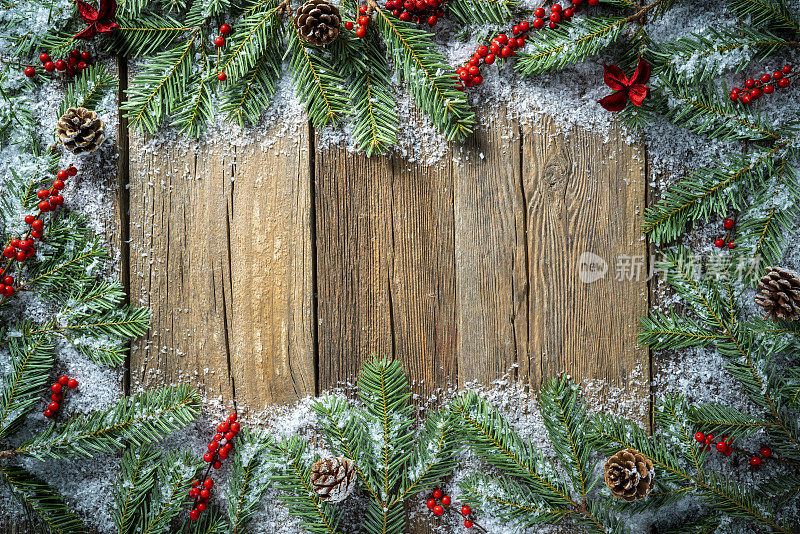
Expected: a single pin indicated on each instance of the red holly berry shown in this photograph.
(430, 503)
(755, 461)
(222, 428)
(48, 414)
(49, 66)
(555, 16)
(194, 514)
(699, 437)
(61, 64)
(746, 99)
(786, 69)
(55, 397)
(44, 58)
(72, 171)
(568, 13)
(766, 452)
(556, 8)
(765, 78)
(44, 206)
(216, 437)
(72, 384)
(538, 23)
(477, 80)
(219, 42)
(438, 510)
(783, 83)
(235, 427)
(750, 83)
(208, 457)
(225, 29)
(769, 89)
(58, 185)
(213, 446)
(755, 93)
(205, 494)
(709, 438)
(719, 243)
(86, 56)
(222, 76)
(53, 407)
(208, 483)
(217, 465)
(9, 252)
(223, 454)
(21, 256)
(63, 380)
(432, 20)
(468, 523)
(437, 494)
(37, 234)
(731, 245)
(30, 72)
(42, 194)
(8, 280)
(446, 500)
(524, 26)
(194, 493)
(56, 388)
(539, 13)
(466, 510)
(348, 25)
(728, 224)
(721, 446)
(201, 507)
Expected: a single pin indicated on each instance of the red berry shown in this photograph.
(225, 29)
(82, 65)
(48, 414)
(539, 13)
(430, 503)
(223, 454)
(477, 80)
(58, 185)
(72, 171)
(728, 224)
(489, 59)
(786, 69)
(55, 397)
(405, 16)
(194, 493)
(568, 13)
(361, 31)
(465, 510)
(538, 23)
(755, 461)
(235, 428)
(468, 523)
(437, 494)
(777, 75)
(520, 42)
(8, 280)
(502, 39)
(766, 452)
(555, 16)
(213, 446)
(28, 220)
(483, 51)
(205, 494)
(348, 25)
(208, 483)
(53, 407)
(783, 83)
(438, 510)
(42, 194)
(464, 75)
(75, 53)
(222, 76)
(556, 8)
(222, 428)
(516, 29)
(9, 252)
(63, 380)
(44, 206)
(228, 447)
(765, 78)
(219, 42)
(731, 245)
(56, 388)
(208, 457)
(49, 66)
(750, 83)
(769, 89)
(61, 64)
(709, 438)
(432, 20)
(86, 56)
(30, 72)
(195, 483)
(56, 200)
(722, 446)
(229, 435)
(44, 58)
(217, 437)
(727, 452)
(446, 500)
(755, 93)
(474, 71)
(746, 99)
(505, 52)
(524, 26)
(20, 256)
(37, 234)
(363, 21)
(217, 465)
(201, 507)
(552, 25)
(194, 514)
(72, 384)
(734, 96)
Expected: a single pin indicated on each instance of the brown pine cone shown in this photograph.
(629, 474)
(333, 478)
(779, 294)
(317, 22)
(80, 130)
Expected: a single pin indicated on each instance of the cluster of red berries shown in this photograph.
(77, 61)
(57, 394)
(439, 503)
(765, 85)
(557, 14)
(726, 449)
(417, 11)
(219, 42)
(219, 449)
(502, 45)
(727, 241)
(362, 22)
(22, 249)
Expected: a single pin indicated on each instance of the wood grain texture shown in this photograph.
(584, 193)
(491, 251)
(220, 250)
(385, 267)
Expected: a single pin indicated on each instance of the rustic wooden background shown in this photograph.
(274, 270)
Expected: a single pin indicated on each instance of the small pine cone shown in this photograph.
(629, 474)
(779, 294)
(80, 130)
(317, 22)
(333, 478)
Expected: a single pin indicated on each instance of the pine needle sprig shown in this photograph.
(137, 477)
(246, 98)
(318, 84)
(568, 44)
(774, 14)
(141, 35)
(259, 32)
(660, 330)
(708, 55)
(139, 419)
(88, 89)
(40, 502)
(196, 109)
(31, 360)
(480, 12)
(291, 478)
(249, 479)
(724, 420)
(428, 77)
(174, 475)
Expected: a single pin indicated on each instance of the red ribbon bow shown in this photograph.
(625, 88)
(101, 21)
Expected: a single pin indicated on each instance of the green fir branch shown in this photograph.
(164, 502)
(480, 12)
(31, 360)
(249, 479)
(88, 89)
(143, 35)
(774, 14)
(137, 477)
(139, 419)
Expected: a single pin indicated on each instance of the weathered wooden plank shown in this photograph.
(584, 194)
(220, 250)
(491, 253)
(385, 266)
